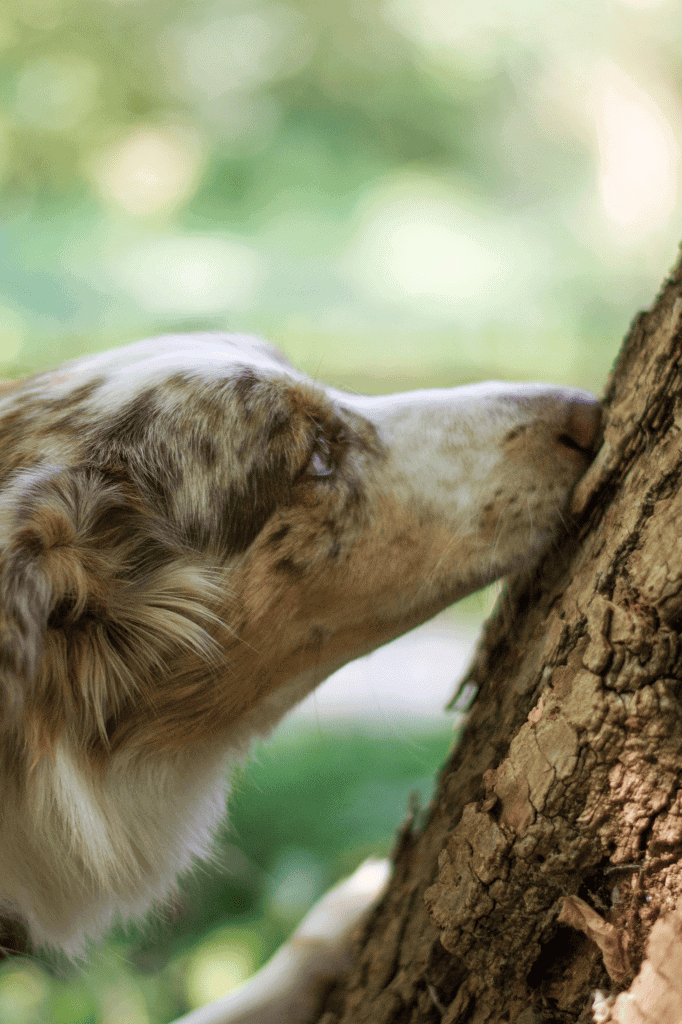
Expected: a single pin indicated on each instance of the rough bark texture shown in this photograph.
(553, 845)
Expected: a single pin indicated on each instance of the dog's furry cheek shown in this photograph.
(315, 565)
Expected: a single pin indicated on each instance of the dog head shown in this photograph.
(190, 528)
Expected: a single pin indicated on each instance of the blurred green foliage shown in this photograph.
(388, 189)
(399, 193)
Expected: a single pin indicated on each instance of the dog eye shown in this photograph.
(320, 463)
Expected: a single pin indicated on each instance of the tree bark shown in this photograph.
(553, 844)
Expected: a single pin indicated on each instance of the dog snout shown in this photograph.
(581, 427)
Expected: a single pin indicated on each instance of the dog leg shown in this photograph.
(290, 987)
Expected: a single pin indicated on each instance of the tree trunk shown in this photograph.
(553, 844)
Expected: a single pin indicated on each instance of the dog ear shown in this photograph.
(92, 606)
(51, 570)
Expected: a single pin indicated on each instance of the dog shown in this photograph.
(193, 535)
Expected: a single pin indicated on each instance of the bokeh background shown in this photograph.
(398, 193)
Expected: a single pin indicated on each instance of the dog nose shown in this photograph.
(582, 424)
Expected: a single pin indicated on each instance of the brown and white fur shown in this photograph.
(193, 535)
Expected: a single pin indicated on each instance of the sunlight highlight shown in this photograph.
(23, 993)
(416, 243)
(639, 156)
(217, 968)
(149, 171)
(176, 275)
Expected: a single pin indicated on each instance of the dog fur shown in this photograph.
(193, 535)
